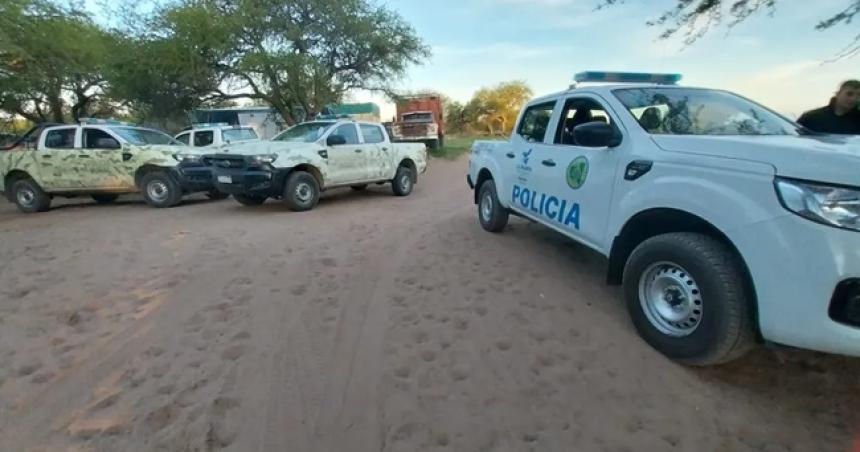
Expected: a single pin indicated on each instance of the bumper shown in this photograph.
(796, 266)
(194, 178)
(256, 182)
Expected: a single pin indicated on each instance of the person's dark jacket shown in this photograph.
(825, 120)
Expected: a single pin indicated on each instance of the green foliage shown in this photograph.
(495, 109)
(455, 146)
(52, 61)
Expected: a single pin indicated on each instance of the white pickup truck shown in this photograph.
(311, 157)
(724, 222)
(216, 134)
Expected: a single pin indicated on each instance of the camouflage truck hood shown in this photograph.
(270, 147)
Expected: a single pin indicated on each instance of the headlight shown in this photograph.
(186, 157)
(836, 206)
(265, 158)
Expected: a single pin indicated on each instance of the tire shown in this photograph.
(358, 187)
(160, 189)
(216, 195)
(491, 214)
(105, 198)
(403, 181)
(246, 200)
(302, 191)
(700, 284)
(29, 196)
(432, 144)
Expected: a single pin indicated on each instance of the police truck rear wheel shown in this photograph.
(302, 192)
(688, 298)
(105, 198)
(246, 200)
(491, 214)
(403, 181)
(29, 196)
(160, 190)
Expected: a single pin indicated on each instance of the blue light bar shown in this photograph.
(626, 77)
(105, 122)
(332, 116)
(210, 124)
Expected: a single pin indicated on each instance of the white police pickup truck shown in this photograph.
(724, 221)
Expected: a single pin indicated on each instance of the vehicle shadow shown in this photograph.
(328, 199)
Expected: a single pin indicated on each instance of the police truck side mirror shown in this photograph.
(596, 135)
(335, 140)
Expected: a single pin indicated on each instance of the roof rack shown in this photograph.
(626, 77)
(199, 125)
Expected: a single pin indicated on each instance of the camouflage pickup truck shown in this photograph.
(315, 156)
(101, 159)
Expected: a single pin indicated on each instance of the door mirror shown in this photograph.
(596, 134)
(335, 140)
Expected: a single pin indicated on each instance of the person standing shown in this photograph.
(842, 116)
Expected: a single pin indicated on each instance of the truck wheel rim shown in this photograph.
(671, 299)
(157, 191)
(304, 193)
(405, 181)
(486, 207)
(26, 197)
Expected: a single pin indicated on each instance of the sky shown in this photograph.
(779, 60)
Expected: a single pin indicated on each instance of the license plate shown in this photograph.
(225, 179)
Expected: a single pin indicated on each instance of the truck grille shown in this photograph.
(225, 161)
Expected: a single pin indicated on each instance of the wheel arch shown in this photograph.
(143, 171)
(483, 175)
(656, 221)
(10, 178)
(308, 168)
(409, 163)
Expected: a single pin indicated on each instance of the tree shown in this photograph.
(694, 18)
(297, 56)
(496, 108)
(51, 61)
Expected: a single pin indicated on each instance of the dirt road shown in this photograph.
(372, 323)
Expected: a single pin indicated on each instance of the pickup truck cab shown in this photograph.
(724, 221)
(216, 134)
(102, 159)
(311, 157)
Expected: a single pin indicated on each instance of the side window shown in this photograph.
(99, 139)
(183, 138)
(535, 122)
(61, 139)
(578, 111)
(203, 138)
(348, 132)
(372, 134)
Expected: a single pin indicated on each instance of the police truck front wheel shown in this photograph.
(491, 214)
(688, 298)
(302, 191)
(29, 196)
(160, 189)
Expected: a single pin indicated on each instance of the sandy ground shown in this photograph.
(372, 323)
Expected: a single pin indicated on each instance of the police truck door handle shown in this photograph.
(358, 150)
(637, 169)
(384, 149)
(548, 163)
(126, 156)
(510, 155)
(83, 156)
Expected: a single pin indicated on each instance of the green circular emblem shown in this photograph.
(577, 171)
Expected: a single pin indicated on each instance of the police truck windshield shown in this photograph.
(140, 137)
(307, 132)
(681, 111)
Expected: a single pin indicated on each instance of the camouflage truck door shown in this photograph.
(57, 159)
(380, 163)
(104, 170)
